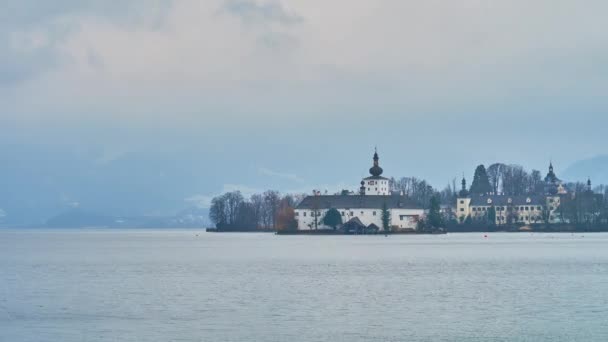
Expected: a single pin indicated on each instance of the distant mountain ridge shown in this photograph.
(595, 168)
(77, 218)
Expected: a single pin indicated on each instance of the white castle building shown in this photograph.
(362, 211)
(523, 209)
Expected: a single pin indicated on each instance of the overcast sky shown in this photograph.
(300, 91)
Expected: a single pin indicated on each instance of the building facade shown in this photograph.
(506, 209)
(364, 208)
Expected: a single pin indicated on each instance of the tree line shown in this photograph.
(512, 180)
(268, 210)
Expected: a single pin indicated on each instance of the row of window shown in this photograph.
(505, 208)
(351, 213)
(522, 218)
(375, 183)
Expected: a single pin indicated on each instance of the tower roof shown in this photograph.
(376, 170)
(551, 177)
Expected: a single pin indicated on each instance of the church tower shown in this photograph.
(463, 192)
(376, 184)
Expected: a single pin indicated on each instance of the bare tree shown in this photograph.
(271, 207)
(495, 175)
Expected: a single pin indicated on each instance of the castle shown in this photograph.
(523, 209)
(362, 212)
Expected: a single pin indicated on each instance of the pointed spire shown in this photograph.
(376, 156)
(589, 184)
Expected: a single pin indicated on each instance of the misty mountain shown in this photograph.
(38, 182)
(596, 168)
(79, 218)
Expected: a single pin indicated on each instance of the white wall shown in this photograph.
(367, 217)
(406, 218)
(376, 187)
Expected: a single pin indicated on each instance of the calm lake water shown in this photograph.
(167, 285)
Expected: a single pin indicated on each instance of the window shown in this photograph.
(297, 213)
(376, 189)
(527, 208)
(361, 213)
(539, 208)
(342, 213)
(374, 213)
(351, 213)
(368, 189)
(461, 202)
(550, 200)
(304, 214)
(551, 208)
(461, 209)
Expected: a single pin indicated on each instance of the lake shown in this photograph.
(187, 285)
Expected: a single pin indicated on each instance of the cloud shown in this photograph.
(288, 176)
(32, 34)
(195, 57)
(248, 71)
(262, 12)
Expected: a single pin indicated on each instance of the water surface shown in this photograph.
(168, 285)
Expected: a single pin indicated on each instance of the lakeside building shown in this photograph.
(362, 211)
(523, 209)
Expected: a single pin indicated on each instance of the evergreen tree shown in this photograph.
(492, 215)
(481, 182)
(386, 218)
(468, 220)
(434, 218)
(332, 218)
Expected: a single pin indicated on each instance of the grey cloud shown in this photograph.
(20, 62)
(251, 11)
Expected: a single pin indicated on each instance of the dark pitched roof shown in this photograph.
(373, 226)
(357, 201)
(354, 223)
(504, 200)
